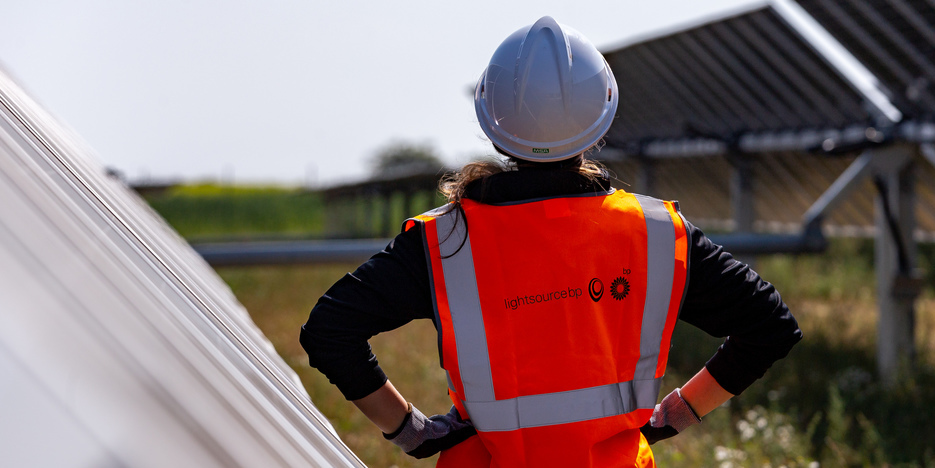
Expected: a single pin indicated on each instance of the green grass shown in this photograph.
(212, 211)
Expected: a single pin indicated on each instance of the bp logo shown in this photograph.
(620, 288)
(596, 289)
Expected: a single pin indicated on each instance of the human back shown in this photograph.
(566, 365)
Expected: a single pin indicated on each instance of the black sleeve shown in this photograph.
(386, 292)
(727, 298)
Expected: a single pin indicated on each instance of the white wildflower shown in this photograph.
(761, 423)
(747, 431)
(721, 453)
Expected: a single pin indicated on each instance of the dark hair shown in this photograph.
(453, 184)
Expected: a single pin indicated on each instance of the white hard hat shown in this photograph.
(547, 94)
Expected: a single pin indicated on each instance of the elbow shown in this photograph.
(308, 342)
(314, 338)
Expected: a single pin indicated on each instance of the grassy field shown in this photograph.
(204, 212)
(822, 405)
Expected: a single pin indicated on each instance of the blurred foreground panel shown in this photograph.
(119, 345)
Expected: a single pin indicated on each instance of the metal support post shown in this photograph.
(928, 152)
(380, 216)
(646, 175)
(410, 203)
(387, 224)
(741, 198)
(898, 282)
(362, 222)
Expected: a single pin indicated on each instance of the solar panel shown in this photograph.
(748, 75)
(894, 39)
(118, 344)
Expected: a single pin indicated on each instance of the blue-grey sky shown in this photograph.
(285, 91)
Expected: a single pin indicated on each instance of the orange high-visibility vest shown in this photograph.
(555, 318)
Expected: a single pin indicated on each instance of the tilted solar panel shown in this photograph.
(750, 74)
(894, 39)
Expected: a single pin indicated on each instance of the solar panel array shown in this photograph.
(752, 86)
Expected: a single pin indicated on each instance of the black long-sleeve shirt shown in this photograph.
(725, 298)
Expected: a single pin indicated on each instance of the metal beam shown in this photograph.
(761, 244)
(917, 132)
(289, 252)
(684, 148)
(839, 190)
(825, 139)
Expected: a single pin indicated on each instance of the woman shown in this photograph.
(553, 294)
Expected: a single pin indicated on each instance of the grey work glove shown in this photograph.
(669, 418)
(422, 437)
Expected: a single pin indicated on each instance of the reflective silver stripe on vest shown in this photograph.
(548, 409)
(660, 234)
(489, 414)
(464, 304)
